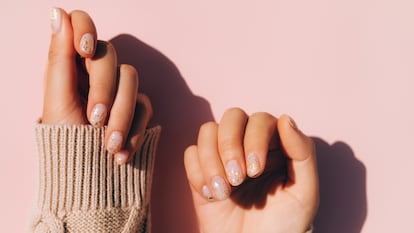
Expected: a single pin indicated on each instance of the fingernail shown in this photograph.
(234, 173)
(115, 142)
(206, 193)
(292, 123)
(253, 165)
(122, 157)
(55, 20)
(87, 43)
(221, 191)
(98, 115)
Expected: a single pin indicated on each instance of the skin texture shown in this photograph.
(279, 195)
(282, 197)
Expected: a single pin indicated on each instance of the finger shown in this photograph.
(201, 192)
(102, 70)
(84, 31)
(302, 170)
(61, 100)
(122, 112)
(212, 167)
(142, 115)
(230, 142)
(259, 132)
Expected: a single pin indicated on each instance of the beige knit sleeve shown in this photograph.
(82, 189)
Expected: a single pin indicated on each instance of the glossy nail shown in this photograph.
(115, 142)
(234, 173)
(253, 165)
(55, 20)
(87, 43)
(206, 193)
(98, 115)
(220, 188)
(122, 157)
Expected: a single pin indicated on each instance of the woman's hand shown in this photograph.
(84, 84)
(253, 174)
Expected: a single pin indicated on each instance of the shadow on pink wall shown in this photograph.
(180, 113)
(343, 205)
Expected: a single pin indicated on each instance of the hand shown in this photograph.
(84, 84)
(253, 174)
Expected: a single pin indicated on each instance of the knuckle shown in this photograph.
(110, 47)
(262, 116)
(105, 49)
(208, 126)
(189, 151)
(129, 70)
(229, 147)
(235, 111)
(77, 11)
(146, 105)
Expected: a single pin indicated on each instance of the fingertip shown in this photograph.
(85, 35)
(122, 157)
(200, 190)
(55, 17)
(297, 145)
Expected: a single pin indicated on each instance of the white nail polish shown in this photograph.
(98, 115)
(253, 165)
(122, 157)
(115, 142)
(87, 43)
(221, 190)
(55, 20)
(206, 193)
(234, 173)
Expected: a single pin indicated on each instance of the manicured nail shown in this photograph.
(55, 20)
(221, 190)
(122, 157)
(234, 173)
(206, 193)
(87, 43)
(98, 115)
(253, 165)
(292, 123)
(115, 142)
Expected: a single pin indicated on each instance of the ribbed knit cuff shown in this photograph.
(81, 186)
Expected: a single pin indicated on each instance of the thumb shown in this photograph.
(302, 167)
(61, 101)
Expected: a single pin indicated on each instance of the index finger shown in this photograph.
(85, 35)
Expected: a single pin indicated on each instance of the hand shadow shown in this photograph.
(343, 206)
(343, 198)
(180, 113)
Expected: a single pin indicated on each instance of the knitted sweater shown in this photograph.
(81, 187)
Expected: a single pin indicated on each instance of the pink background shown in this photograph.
(342, 69)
